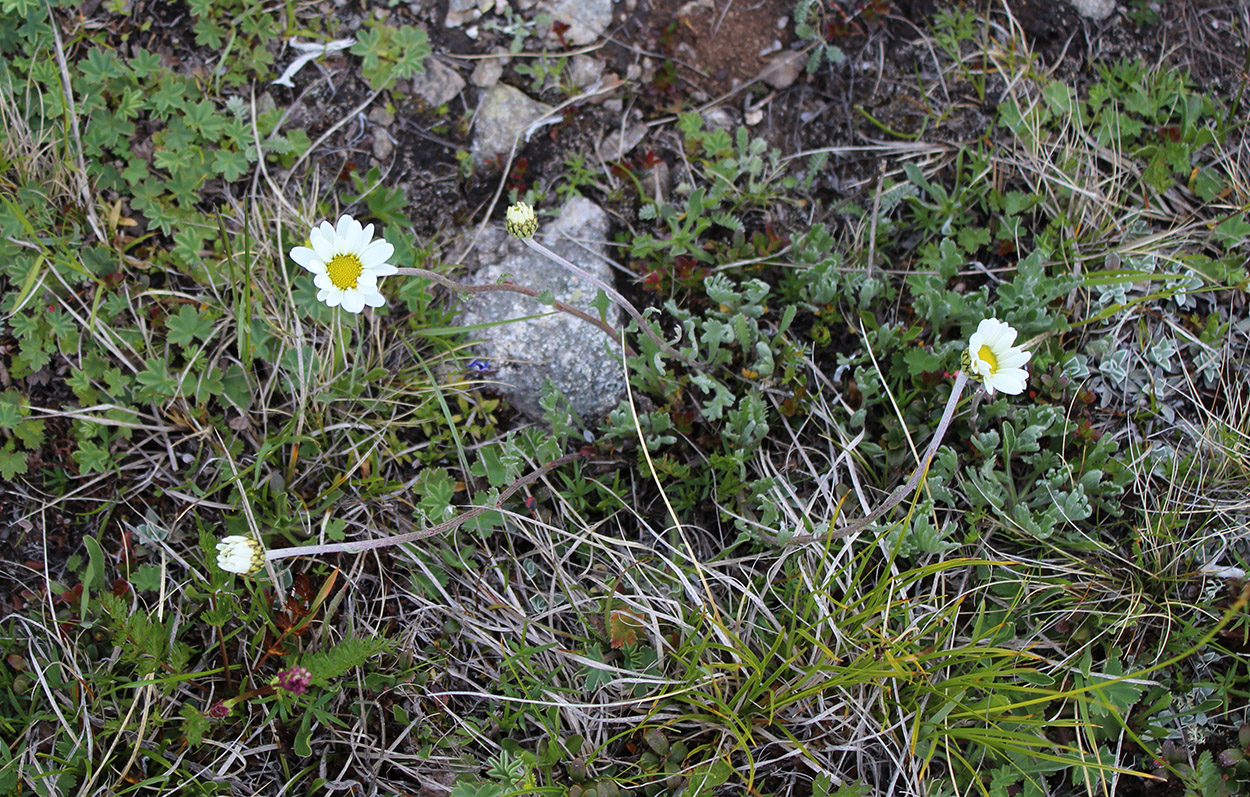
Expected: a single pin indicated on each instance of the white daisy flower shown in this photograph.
(992, 359)
(242, 555)
(346, 262)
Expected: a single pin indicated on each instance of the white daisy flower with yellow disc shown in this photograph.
(346, 263)
(993, 359)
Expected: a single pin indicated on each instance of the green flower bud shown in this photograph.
(520, 221)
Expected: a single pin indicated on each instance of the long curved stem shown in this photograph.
(948, 414)
(359, 546)
(510, 287)
(612, 294)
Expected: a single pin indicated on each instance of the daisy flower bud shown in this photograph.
(521, 221)
(993, 359)
(242, 555)
(346, 262)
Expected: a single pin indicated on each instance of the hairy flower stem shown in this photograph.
(509, 287)
(359, 546)
(612, 294)
(957, 390)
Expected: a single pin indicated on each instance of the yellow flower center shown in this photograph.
(344, 271)
(988, 356)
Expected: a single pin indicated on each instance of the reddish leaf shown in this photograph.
(623, 627)
(71, 596)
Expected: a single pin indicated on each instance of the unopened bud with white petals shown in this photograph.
(242, 555)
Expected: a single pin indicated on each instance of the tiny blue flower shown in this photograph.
(480, 366)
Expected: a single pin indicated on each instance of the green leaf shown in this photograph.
(1109, 695)
(690, 123)
(369, 47)
(194, 723)
(11, 410)
(236, 389)
(465, 789)
(61, 324)
(209, 34)
(144, 63)
(1233, 232)
(728, 221)
(206, 385)
(100, 65)
(28, 328)
(230, 164)
(12, 463)
(80, 383)
(202, 116)
(704, 779)
(594, 676)
(170, 96)
(388, 204)
(413, 46)
(1207, 184)
(500, 464)
(146, 578)
(1017, 202)
(30, 432)
(94, 576)
(92, 457)
(188, 325)
(302, 737)
(348, 654)
(156, 380)
(601, 303)
(29, 360)
(973, 238)
(436, 488)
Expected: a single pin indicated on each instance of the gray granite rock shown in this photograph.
(1094, 9)
(382, 115)
(504, 114)
(579, 358)
(620, 141)
(587, 19)
(462, 11)
(383, 146)
(439, 84)
(487, 72)
(584, 70)
(783, 69)
(719, 118)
